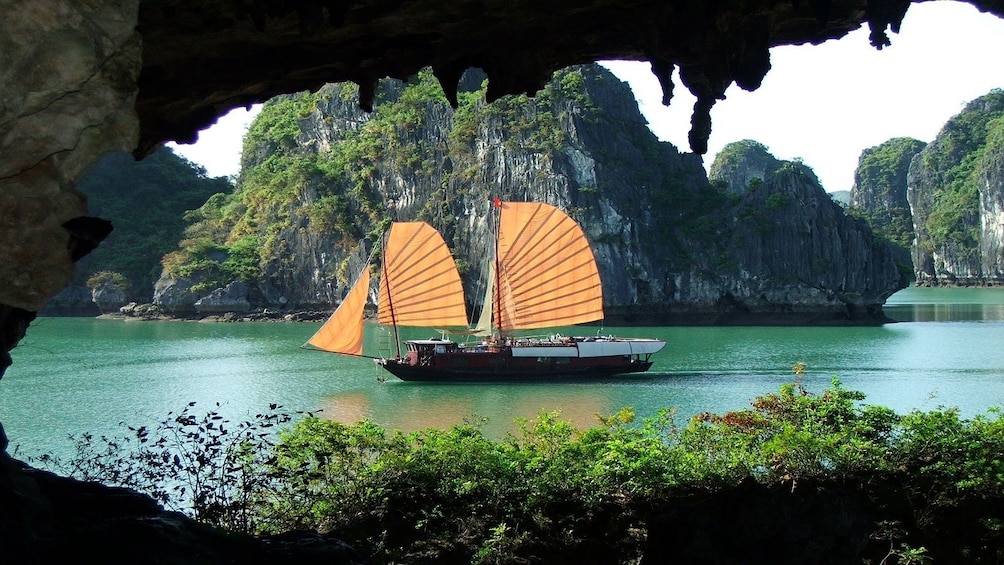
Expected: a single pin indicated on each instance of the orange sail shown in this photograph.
(420, 285)
(343, 332)
(484, 326)
(547, 273)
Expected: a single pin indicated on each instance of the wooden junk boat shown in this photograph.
(543, 275)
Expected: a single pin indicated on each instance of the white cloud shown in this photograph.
(218, 147)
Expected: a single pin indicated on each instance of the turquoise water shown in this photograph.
(73, 375)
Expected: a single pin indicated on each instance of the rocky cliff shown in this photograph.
(955, 192)
(879, 190)
(321, 178)
(788, 249)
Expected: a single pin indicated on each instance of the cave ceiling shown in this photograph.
(202, 58)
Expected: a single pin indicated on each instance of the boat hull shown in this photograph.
(488, 367)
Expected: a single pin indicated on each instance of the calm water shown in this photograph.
(72, 375)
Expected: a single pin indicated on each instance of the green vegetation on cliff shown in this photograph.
(228, 236)
(321, 178)
(879, 194)
(108, 278)
(924, 484)
(145, 201)
(285, 180)
(954, 157)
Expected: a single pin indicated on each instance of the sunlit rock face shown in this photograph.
(956, 194)
(764, 244)
(992, 217)
(588, 152)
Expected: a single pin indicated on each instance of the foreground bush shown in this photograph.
(877, 486)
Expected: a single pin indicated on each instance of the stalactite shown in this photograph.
(449, 76)
(663, 70)
(882, 14)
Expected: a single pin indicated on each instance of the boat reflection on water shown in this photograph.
(437, 412)
(347, 408)
(410, 407)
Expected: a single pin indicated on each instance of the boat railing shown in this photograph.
(497, 344)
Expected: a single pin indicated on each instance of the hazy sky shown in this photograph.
(821, 103)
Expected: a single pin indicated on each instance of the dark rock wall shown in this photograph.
(794, 249)
(68, 75)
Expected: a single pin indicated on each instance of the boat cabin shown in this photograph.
(421, 351)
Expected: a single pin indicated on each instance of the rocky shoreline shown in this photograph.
(226, 308)
(620, 317)
(149, 312)
(960, 283)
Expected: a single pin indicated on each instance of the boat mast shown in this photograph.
(497, 296)
(390, 301)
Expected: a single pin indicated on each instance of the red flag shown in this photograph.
(497, 202)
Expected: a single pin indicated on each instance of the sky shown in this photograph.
(823, 104)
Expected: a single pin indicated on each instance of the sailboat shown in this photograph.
(543, 276)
